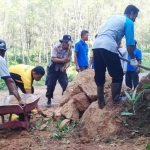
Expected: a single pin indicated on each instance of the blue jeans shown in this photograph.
(82, 68)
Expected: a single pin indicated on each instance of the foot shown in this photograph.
(101, 104)
(48, 104)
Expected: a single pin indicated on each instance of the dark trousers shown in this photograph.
(132, 79)
(82, 68)
(105, 59)
(21, 87)
(52, 78)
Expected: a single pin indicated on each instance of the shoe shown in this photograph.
(34, 111)
(116, 96)
(100, 94)
(48, 104)
(14, 117)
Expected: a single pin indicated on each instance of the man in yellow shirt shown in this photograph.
(24, 75)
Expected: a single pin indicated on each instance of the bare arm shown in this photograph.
(13, 89)
(76, 61)
(28, 91)
(59, 60)
(130, 50)
(90, 62)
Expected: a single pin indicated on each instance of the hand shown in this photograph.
(63, 69)
(65, 60)
(40, 111)
(134, 62)
(22, 103)
(138, 70)
(77, 69)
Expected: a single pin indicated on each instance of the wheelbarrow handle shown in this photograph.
(139, 65)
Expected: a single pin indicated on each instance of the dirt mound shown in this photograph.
(80, 93)
(145, 80)
(101, 123)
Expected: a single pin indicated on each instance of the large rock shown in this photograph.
(71, 90)
(70, 111)
(83, 82)
(101, 122)
(81, 101)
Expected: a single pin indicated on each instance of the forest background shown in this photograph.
(32, 27)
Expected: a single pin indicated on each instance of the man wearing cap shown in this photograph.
(5, 75)
(59, 62)
(81, 52)
(105, 49)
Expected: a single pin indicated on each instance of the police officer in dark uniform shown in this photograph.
(59, 62)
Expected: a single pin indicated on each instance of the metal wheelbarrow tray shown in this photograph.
(17, 109)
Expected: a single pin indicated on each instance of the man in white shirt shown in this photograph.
(5, 75)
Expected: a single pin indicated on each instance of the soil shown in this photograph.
(19, 139)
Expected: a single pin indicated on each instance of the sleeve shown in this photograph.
(76, 47)
(139, 55)
(54, 51)
(129, 32)
(4, 73)
(27, 83)
(91, 53)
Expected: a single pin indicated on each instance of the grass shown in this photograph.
(60, 133)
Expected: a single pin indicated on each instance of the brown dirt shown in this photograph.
(18, 139)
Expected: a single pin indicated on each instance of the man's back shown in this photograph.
(112, 32)
(22, 73)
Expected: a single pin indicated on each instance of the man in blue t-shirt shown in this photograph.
(105, 49)
(81, 52)
(132, 77)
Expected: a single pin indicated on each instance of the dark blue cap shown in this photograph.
(3, 45)
(66, 38)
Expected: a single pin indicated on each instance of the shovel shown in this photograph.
(139, 65)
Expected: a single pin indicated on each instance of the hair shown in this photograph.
(39, 70)
(83, 32)
(135, 43)
(96, 35)
(131, 8)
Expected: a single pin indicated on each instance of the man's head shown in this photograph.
(38, 72)
(2, 47)
(84, 35)
(132, 12)
(66, 40)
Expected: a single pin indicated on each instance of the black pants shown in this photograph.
(52, 78)
(105, 59)
(21, 87)
(82, 68)
(132, 79)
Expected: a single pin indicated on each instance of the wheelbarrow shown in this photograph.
(9, 109)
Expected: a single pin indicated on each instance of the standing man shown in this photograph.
(60, 61)
(81, 52)
(106, 54)
(5, 75)
(132, 74)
